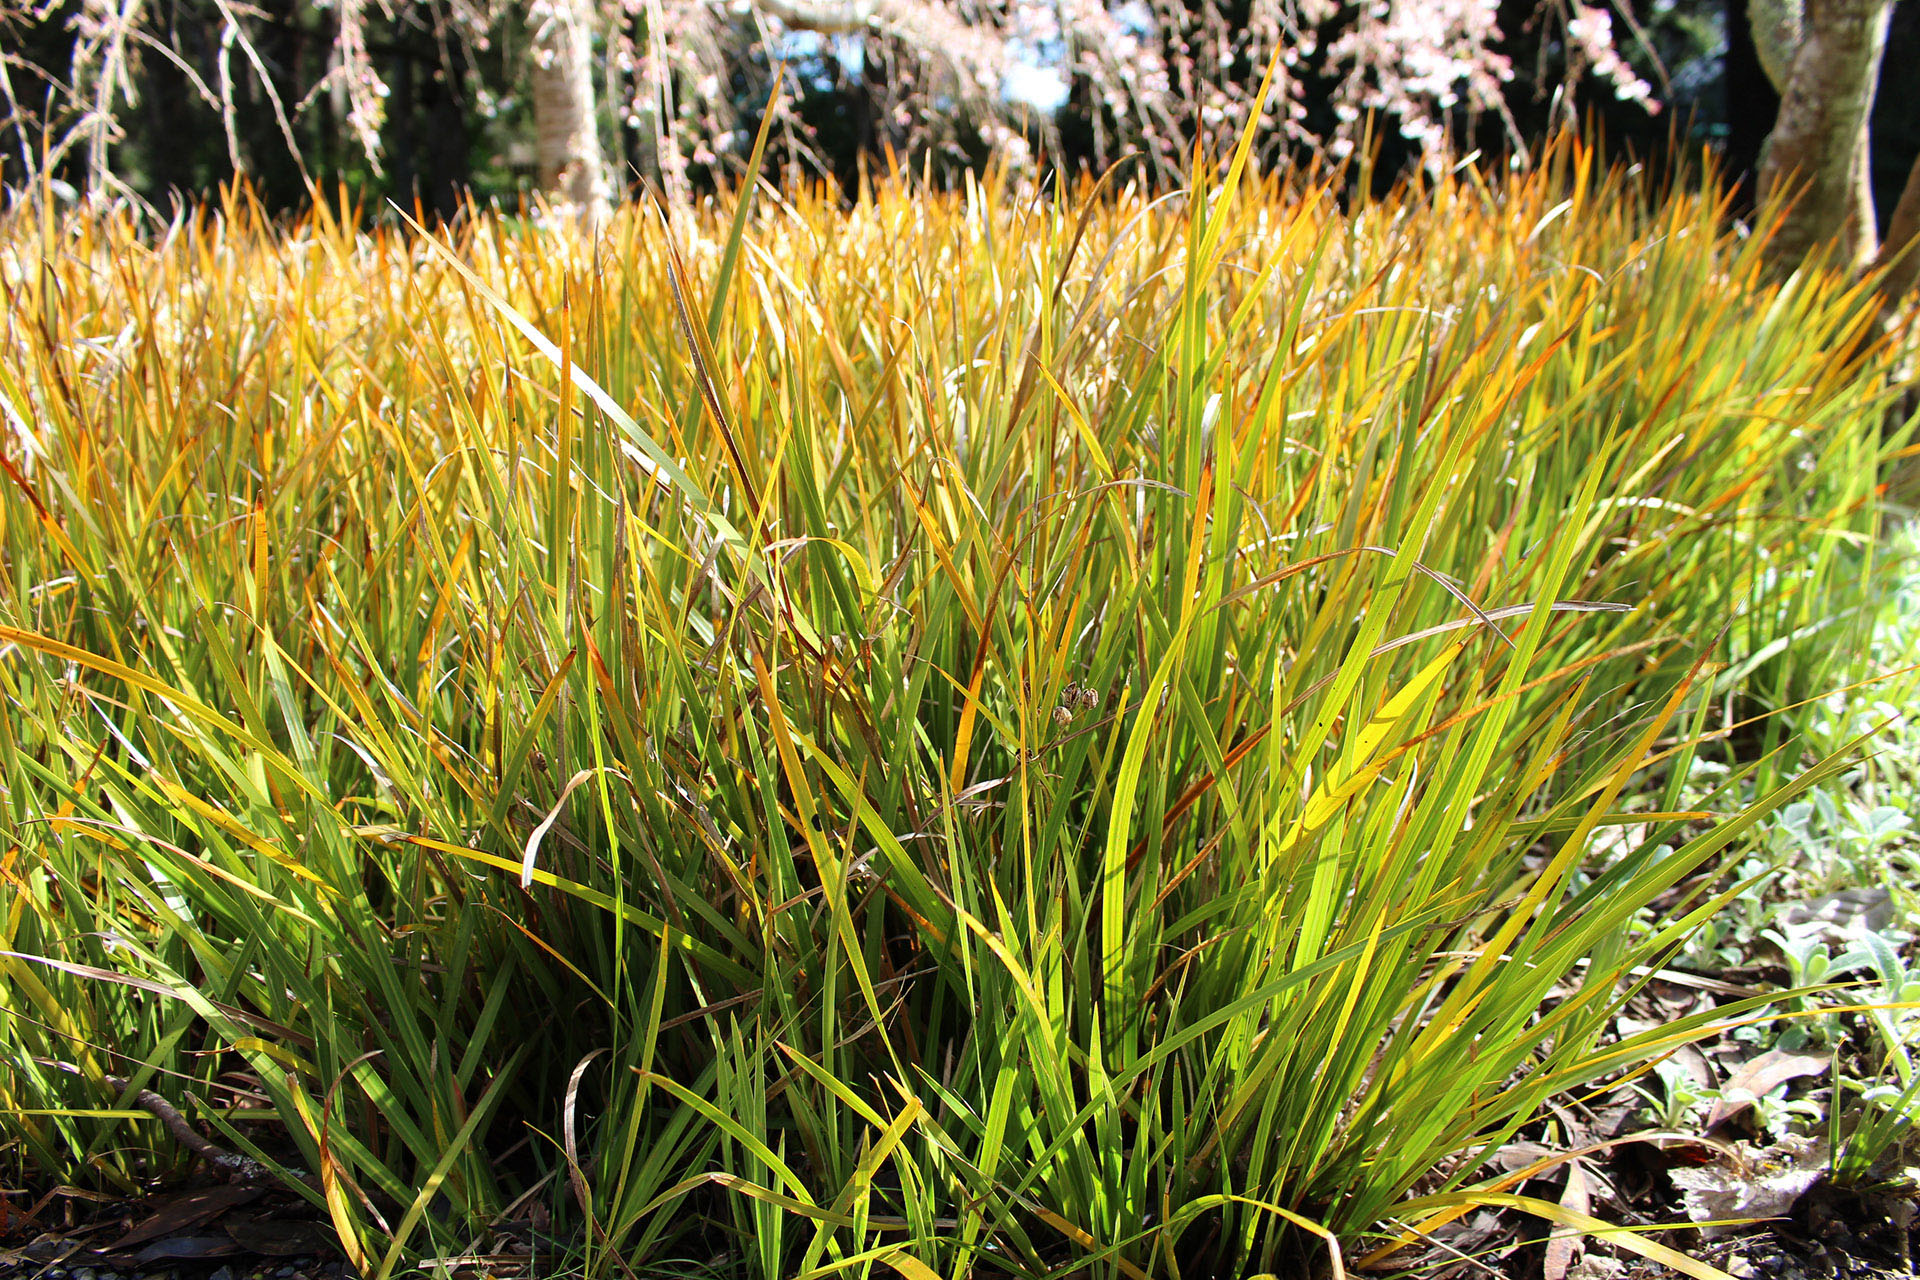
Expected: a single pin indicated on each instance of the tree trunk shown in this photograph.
(573, 171)
(1815, 151)
(1901, 251)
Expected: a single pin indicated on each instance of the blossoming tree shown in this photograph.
(1161, 74)
(1167, 70)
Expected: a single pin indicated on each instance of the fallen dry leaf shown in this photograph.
(1759, 1077)
(1564, 1247)
(180, 1214)
(1597, 1266)
(1757, 1183)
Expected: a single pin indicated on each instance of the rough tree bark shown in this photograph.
(573, 169)
(1824, 56)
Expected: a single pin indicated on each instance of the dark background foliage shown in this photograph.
(457, 120)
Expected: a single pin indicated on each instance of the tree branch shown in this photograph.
(229, 1166)
(826, 17)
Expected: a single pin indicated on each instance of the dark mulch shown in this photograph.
(214, 1233)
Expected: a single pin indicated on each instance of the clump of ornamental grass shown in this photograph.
(969, 735)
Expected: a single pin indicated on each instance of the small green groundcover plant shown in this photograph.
(974, 734)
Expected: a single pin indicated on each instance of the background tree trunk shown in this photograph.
(1826, 99)
(573, 170)
(1901, 250)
